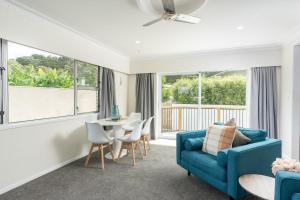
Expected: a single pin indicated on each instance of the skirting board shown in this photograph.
(26, 180)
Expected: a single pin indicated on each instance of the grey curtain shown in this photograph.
(108, 92)
(263, 100)
(145, 96)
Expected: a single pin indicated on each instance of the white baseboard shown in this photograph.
(26, 180)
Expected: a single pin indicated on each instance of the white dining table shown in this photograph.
(117, 132)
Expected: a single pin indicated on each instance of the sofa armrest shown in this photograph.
(222, 158)
(287, 184)
(180, 139)
(296, 196)
(255, 158)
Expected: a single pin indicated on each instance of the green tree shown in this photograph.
(216, 89)
(28, 75)
(49, 71)
(185, 91)
(227, 90)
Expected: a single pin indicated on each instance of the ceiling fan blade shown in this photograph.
(169, 6)
(187, 19)
(153, 21)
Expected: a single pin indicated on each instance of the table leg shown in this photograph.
(117, 132)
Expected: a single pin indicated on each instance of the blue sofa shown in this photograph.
(222, 171)
(287, 186)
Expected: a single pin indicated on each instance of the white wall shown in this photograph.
(26, 28)
(218, 60)
(131, 93)
(121, 81)
(296, 105)
(31, 149)
(290, 97)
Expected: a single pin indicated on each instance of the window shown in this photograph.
(40, 84)
(195, 101)
(87, 87)
(223, 88)
(36, 84)
(180, 89)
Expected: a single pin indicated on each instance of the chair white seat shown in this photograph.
(145, 136)
(132, 141)
(99, 138)
(124, 138)
(134, 119)
(127, 127)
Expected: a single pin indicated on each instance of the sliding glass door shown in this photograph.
(195, 101)
(180, 102)
(223, 96)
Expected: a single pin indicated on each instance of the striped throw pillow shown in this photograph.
(218, 138)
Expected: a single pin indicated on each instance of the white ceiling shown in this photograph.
(118, 24)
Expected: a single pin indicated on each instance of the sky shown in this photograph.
(16, 50)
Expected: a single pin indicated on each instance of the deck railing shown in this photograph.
(186, 117)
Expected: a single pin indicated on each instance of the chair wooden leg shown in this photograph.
(145, 148)
(102, 156)
(133, 154)
(89, 156)
(121, 149)
(140, 149)
(148, 141)
(111, 153)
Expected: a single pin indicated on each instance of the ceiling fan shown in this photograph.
(171, 15)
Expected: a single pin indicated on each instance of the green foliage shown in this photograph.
(54, 62)
(29, 75)
(215, 90)
(167, 93)
(49, 71)
(87, 74)
(228, 90)
(185, 91)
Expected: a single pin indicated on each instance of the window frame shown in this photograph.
(78, 87)
(4, 81)
(4, 91)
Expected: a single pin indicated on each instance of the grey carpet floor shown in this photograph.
(156, 177)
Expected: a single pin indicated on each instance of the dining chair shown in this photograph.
(145, 136)
(131, 141)
(134, 115)
(134, 119)
(99, 138)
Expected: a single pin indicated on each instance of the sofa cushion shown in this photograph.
(296, 196)
(193, 143)
(218, 138)
(240, 139)
(206, 163)
(231, 122)
(254, 135)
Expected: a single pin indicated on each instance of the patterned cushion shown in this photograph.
(231, 122)
(218, 138)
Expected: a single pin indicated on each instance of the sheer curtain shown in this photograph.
(263, 100)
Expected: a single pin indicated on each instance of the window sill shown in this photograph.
(44, 121)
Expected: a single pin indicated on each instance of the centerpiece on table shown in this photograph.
(115, 114)
(285, 164)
